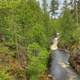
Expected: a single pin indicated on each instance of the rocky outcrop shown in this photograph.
(75, 58)
(75, 62)
(74, 51)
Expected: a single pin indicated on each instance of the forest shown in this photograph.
(27, 31)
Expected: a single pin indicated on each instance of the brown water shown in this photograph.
(60, 67)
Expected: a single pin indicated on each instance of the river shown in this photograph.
(60, 68)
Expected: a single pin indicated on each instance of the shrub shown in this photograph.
(37, 60)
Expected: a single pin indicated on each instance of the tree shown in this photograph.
(26, 28)
(45, 6)
(54, 7)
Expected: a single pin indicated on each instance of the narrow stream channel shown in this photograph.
(60, 68)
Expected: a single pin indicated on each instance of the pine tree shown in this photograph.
(45, 6)
(54, 7)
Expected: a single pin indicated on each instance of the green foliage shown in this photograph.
(25, 31)
(9, 3)
(23, 23)
(66, 28)
(76, 34)
(37, 34)
(68, 24)
(4, 75)
(37, 59)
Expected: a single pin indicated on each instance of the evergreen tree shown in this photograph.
(45, 6)
(54, 7)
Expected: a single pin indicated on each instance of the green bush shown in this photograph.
(37, 60)
(4, 76)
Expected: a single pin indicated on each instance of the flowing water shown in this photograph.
(60, 67)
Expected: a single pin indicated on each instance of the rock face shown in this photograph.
(75, 61)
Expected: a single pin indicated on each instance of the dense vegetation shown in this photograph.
(25, 34)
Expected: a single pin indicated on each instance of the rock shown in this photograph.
(50, 77)
(75, 61)
(46, 77)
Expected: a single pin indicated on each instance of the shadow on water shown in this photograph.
(60, 68)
